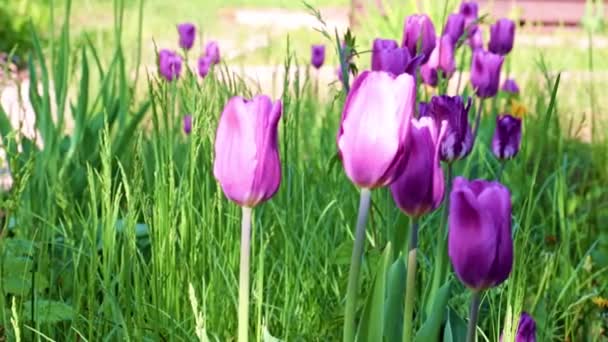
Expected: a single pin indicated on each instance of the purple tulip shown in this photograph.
(526, 329)
(317, 57)
(485, 73)
(247, 164)
(374, 127)
(188, 124)
(457, 142)
(420, 187)
(476, 40)
(187, 33)
(388, 56)
(204, 65)
(212, 50)
(423, 109)
(507, 137)
(502, 35)
(419, 29)
(510, 86)
(470, 12)
(454, 27)
(442, 58)
(480, 245)
(169, 65)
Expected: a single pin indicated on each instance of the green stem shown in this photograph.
(478, 119)
(591, 87)
(244, 275)
(474, 311)
(410, 290)
(503, 163)
(355, 267)
(441, 255)
(460, 70)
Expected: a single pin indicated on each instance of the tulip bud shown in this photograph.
(502, 35)
(457, 142)
(510, 86)
(317, 57)
(212, 50)
(441, 59)
(374, 127)
(470, 12)
(169, 64)
(476, 40)
(480, 245)
(419, 189)
(204, 65)
(246, 161)
(188, 124)
(187, 33)
(485, 73)
(454, 27)
(526, 329)
(388, 56)
(507, 137)
(419, 36)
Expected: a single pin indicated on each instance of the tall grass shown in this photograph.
(109, 226)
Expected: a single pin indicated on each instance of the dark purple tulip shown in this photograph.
(470, 12)
(187, 33)
(526, 329)
(502, 35)
(480, 245)
(507, 137)
(442, 59)
(317, 56)
(454, 27)
(419, 29)
(204, 65)
(188, 124)
(169, 64)
(476, 40)
(457, 142)
(485, 73)
(423, 109)
(420, 188)
(510, 86)
(388, 56)
(212, 50)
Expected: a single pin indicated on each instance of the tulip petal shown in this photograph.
(374, 127)
(268, 172)
(413, 189)
(235, 151)
(496, 200)
(471, 239)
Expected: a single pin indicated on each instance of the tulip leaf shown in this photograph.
(431, 327)
(455, 328)
(371, 327)
(393, 324)
(48, 311)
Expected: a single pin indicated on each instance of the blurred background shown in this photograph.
(566, 36)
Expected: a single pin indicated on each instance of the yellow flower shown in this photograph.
(518, 109)
(601, 302)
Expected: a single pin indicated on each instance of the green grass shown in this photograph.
(106, 229)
